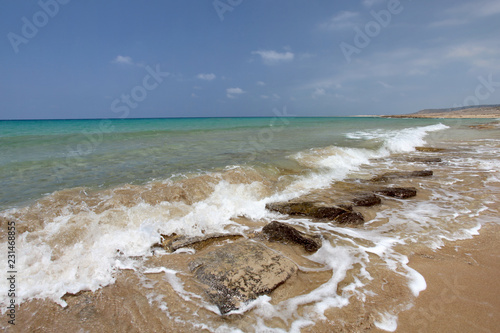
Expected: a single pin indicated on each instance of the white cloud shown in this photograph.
(467, 51)
(261, 83)
(479, 54)
(123, 60)
(418, 72)
(385, 85)
(477, 8)
(318, 92)
(271, 57)
(274, 97)
(207, 77)
(370, 3)
(407, 64)
(343, 20)
(468, 12)
(448, 23)
(233, 92)
(306, 56)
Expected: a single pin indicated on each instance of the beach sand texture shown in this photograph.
(463, 290)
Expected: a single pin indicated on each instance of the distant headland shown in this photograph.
(476, 111)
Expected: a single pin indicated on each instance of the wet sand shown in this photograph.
(463, 287)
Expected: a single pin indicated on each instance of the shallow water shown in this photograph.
(92, 235)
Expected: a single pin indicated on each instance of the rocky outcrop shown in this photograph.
(398, 192)
(366, 200)
(341, 213)
(240, 272)
(173, 243)
(311, 209)
(281, 232)
(425, 159)
(402, 175)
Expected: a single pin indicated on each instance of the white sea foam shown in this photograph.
(101, 248)
(336, 163)
(398, 141)
(387, 322)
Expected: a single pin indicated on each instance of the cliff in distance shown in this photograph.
(476, 111)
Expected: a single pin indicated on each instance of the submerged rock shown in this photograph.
(281, 232)
(174, 243)
(240, 272)
(429, 149)
(366, 200)
(401, 174)
(425, 159)
(351, 218)
(487, 126)
(398, 192)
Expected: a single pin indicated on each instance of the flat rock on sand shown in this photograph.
(240, 272)
(398, 192)
(173, 243)
(342, 214)
(281, 232)
(403, 175)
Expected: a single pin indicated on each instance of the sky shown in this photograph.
(65, 59)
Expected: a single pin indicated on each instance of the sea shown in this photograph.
(92, 199)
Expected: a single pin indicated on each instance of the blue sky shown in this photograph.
(117, 59)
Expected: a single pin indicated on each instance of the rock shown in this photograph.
(429, 149)
(240, 272)
(425, 159)
(366, 200)
(398, 192)
(174, 243)
(311, 209)
(281, 232)
(341, 213)
(291, 208)
(487, 126)
(395, 175)
(350, 218)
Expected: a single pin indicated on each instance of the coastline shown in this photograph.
(447, 116)
(463, 293)
(471, 112)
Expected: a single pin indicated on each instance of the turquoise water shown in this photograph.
(42, 156)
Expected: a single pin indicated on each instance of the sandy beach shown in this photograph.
(463, 292)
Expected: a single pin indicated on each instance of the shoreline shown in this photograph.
(463, 293)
